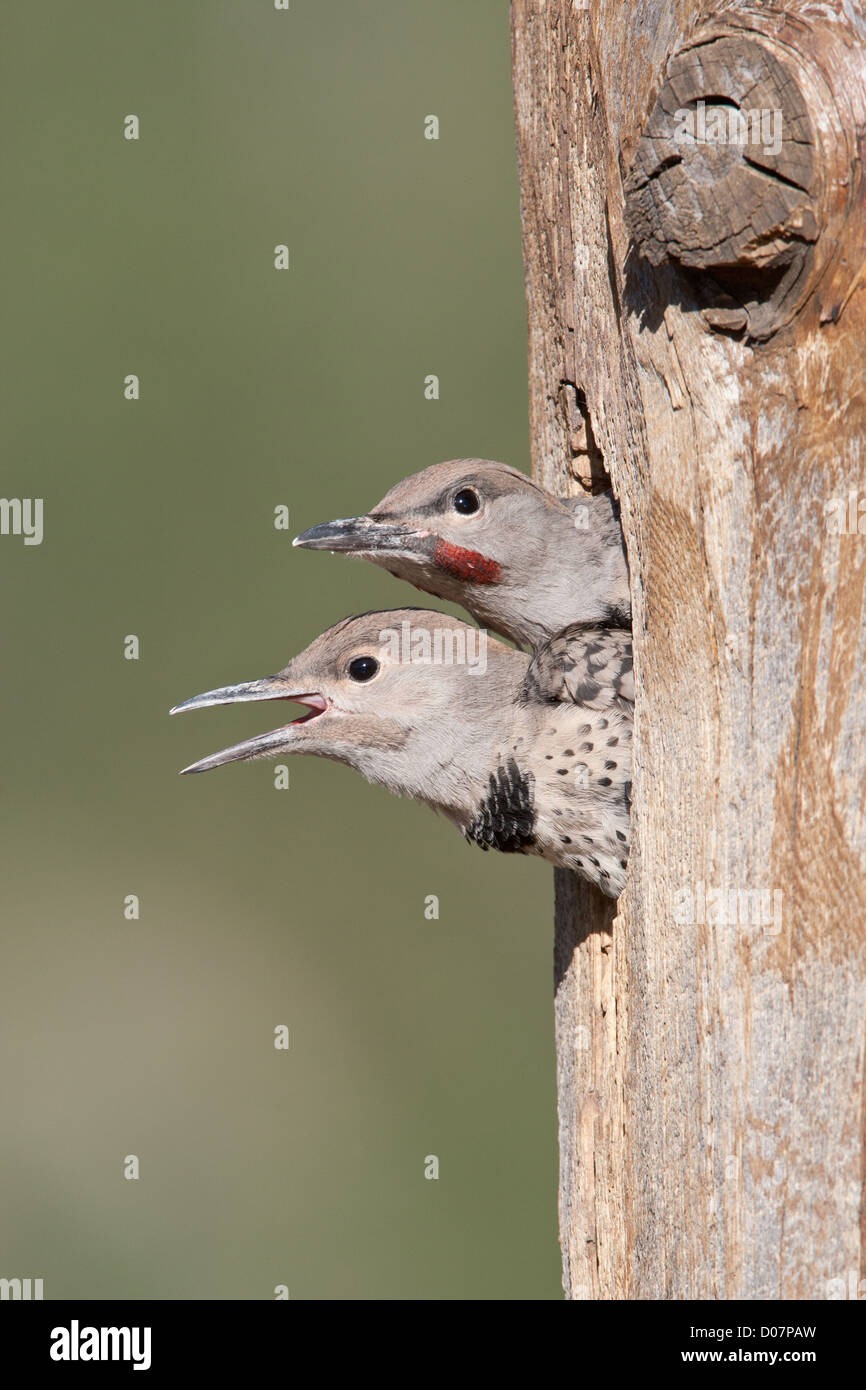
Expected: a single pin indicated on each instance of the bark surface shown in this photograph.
(697, 334)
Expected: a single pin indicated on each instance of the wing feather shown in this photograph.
(585, 664)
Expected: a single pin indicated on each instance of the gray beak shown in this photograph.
(268, 688)
(359, 535)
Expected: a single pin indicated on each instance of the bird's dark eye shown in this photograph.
(363, 668)
(466, 501)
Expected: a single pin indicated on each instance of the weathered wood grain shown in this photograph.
(711, 1073)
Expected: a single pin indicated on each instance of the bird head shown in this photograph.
(472, 531)
(413, 700)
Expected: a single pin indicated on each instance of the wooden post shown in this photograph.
(695, 241)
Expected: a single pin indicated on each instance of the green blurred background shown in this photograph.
(259, 907)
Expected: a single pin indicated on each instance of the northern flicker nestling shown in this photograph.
(484, 535)
(527, 756)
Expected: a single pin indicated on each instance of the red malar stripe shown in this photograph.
(469, 565)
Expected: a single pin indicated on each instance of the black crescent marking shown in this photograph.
(505, 820)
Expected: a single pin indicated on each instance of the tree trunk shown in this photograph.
(697, 331)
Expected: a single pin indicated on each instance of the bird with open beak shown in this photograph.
(484, 535)
(526, 756)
